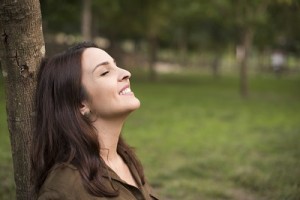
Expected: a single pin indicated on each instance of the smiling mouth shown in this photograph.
(126, 91)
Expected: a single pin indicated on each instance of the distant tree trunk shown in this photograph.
(115, 49)
(262, 61)
(216, 65)
(86, 20)
(22, 46)
(182, 48)
(152, 52)
(246, 45)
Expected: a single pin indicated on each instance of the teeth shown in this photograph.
(125, 91)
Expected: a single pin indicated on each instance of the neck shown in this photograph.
(108, 135)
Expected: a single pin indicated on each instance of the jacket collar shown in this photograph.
(109, 173)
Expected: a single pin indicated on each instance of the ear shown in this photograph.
(84, 108)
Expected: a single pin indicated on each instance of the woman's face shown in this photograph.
(107, 85)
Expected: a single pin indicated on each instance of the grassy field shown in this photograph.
(6, 170)
(198, 139)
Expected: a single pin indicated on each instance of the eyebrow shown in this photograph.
(101, 64)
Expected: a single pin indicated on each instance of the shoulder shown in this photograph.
(63, 182)
(62, 175)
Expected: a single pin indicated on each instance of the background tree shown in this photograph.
(155, 19)
(285, 32)
(134, 20)
(187, 27)
(86, 20)
(202, 26)
(61, 17)
(117, 21)
(250, 16)
(22, 46)
(247, 16)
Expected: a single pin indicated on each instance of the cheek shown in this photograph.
(102, 95)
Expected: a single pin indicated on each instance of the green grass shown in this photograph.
(198, 139)
(7, 187)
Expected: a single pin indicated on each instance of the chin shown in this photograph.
(130, 109)
(136, 105)
(130, 106)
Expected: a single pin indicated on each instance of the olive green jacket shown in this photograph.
(64, 183)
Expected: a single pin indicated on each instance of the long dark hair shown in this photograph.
(63, 134)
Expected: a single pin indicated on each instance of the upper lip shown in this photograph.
(126, 86)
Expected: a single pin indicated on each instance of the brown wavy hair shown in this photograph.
(63, 134)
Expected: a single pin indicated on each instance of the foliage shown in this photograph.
(285, 30)
(199, 24)
(117, 18)
(63, 16)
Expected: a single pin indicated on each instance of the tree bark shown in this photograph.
(22, 46)
(86, 20)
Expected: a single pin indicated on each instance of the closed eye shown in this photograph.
(104, 73)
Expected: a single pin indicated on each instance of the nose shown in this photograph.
(124, 74)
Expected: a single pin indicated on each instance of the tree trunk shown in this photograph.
(152, 52)
(246, 45)
(216, 65)
(86, 20)
(182, 48)
(22, 46)
(115, 50)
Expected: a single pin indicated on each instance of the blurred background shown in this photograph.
(219, 83)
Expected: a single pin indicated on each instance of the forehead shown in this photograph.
(94, 56)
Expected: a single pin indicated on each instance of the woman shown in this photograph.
(82, 101)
